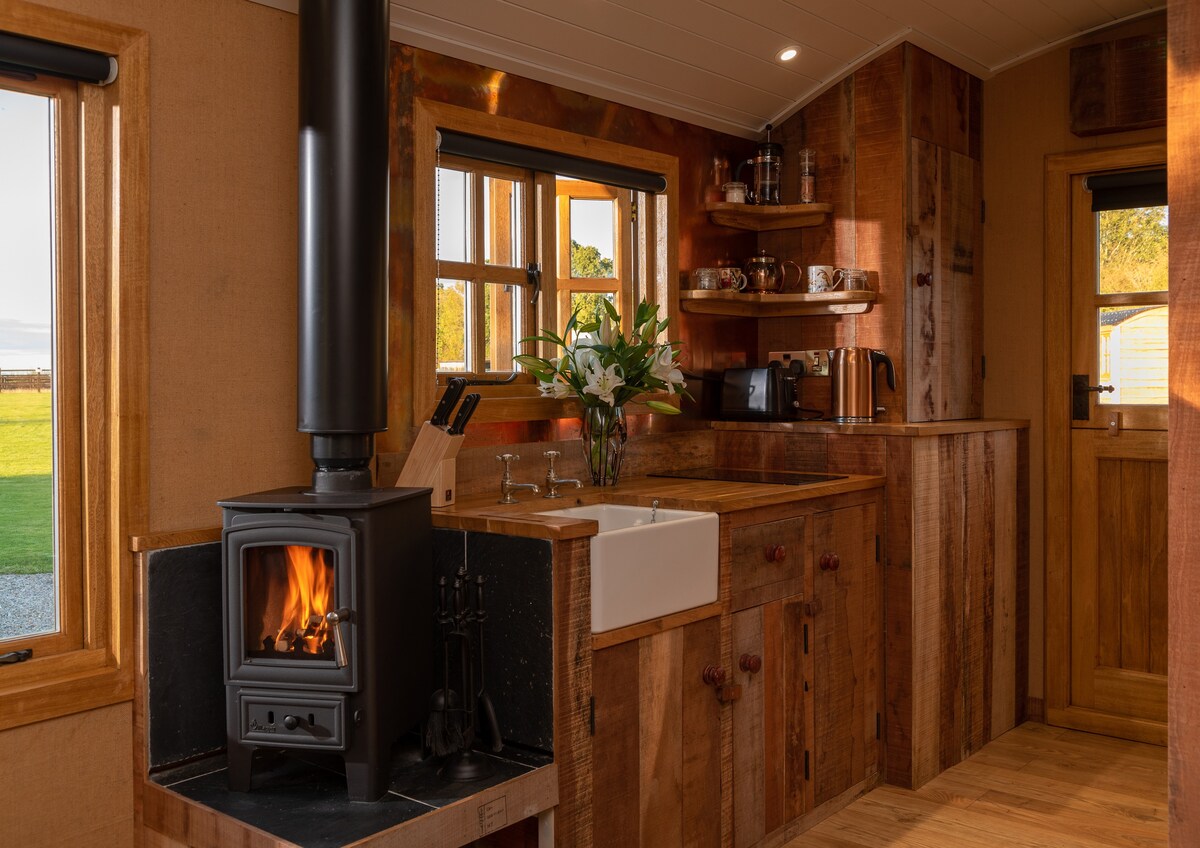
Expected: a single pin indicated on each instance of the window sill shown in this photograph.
(51, 687)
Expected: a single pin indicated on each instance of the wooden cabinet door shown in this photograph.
(656, 753)
(845, 648)
(945, 306)
(770, 719)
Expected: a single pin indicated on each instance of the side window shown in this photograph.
(484, 237)
(41, 581)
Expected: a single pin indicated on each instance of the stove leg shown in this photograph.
(367, 781)
(240, 758)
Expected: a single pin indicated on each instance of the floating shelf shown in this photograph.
(745, 216)
(769, 305)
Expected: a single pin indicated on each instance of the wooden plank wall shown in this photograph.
(956, 580)
(1183, 167)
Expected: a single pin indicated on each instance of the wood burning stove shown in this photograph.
(327, 633)
(328, 591)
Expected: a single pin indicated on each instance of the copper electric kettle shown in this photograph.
(852, 375)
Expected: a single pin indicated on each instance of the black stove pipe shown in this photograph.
(343, 304)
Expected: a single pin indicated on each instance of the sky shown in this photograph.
(25, 231)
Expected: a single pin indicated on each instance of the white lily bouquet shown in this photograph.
(605, 370)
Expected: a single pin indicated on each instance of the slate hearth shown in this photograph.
(302, 797)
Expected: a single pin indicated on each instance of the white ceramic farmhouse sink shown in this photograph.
(642, 569)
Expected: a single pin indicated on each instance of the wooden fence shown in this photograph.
(25, 380)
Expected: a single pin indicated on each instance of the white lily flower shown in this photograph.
(580, 352)
(602, 382)
(608, 331)
(664, 369)
(555, 388)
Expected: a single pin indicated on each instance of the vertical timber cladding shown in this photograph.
(945, 319)
(958, 680)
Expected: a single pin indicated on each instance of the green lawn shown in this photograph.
(26, 520)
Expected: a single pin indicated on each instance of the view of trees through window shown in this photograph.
(1133, 249)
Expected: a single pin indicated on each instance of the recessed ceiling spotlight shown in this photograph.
(787, 54)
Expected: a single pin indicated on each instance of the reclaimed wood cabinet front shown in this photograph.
(656, 752)
(845, 647)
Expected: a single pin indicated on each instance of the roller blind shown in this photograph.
(1127, 190)
(30, 58)
(503, 153)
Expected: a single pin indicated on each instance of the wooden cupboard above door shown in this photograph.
(847, 681)
(656, 752)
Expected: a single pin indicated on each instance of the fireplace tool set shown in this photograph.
(454, 720)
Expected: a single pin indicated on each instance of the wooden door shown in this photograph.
(770, 720)
(1106, 641)
(945, 305)
(656, 752)
(845, 648)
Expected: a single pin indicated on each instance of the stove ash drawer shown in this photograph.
(269, 718)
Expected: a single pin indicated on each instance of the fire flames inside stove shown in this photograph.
(289, 589)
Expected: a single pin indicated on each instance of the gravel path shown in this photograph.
(26, 604)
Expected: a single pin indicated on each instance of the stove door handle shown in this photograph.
(336, 618)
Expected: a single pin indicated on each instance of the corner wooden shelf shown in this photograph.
(746, 216)
(770, 305)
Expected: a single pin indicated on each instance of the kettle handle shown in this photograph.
(878, 356)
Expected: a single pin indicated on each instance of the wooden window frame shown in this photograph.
(477, 273)
(517, 402)
(102, 321)
(622, 285)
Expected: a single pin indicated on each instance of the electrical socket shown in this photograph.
(816, 362)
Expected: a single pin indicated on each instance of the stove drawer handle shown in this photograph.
(336, 618)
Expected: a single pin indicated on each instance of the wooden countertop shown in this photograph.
(916, 428)
(482, 512)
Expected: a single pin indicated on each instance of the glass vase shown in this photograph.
(603, 433)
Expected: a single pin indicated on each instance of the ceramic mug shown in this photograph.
(731, 278)
(850, 279)
(706, 278)
(820, 278)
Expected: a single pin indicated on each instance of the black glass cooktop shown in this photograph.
(751, 475)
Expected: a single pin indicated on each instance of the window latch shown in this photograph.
(16, 656)
(533, 275)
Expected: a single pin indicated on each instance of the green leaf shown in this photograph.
(611, 310)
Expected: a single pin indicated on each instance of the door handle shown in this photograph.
(1080, 389)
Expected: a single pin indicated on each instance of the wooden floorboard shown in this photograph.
(1034, 787)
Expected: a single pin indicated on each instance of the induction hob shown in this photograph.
(751, 475)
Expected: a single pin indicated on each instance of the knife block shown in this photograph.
(431, 463)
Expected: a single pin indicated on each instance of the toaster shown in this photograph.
(764, 394)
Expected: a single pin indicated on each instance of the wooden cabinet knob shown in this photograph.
(830, 562)
(751, 663)
(776, 553)
(925, 279)
(713, 675)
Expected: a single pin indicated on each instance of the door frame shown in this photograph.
(1056, 410)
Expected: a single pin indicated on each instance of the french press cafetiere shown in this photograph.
(764, 190)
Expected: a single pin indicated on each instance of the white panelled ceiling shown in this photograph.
(712, 62)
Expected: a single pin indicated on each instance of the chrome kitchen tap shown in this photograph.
(507, 486)
(553, 481)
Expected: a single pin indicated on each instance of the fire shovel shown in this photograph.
(486, 708)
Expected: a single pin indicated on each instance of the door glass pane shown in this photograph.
(502, 222)
(450, 346)
(1132, 246)
(288, 590)
(592, 238)
(1133, 354)
(453, 215)
(28, 596)
(501, 330)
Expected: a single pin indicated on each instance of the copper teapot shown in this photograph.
(766, 274)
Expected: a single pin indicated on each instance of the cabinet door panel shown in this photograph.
(769, 720)
(845, 650)
(656, 753)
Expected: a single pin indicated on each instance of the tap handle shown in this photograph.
(508, 459)
(551, 455)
